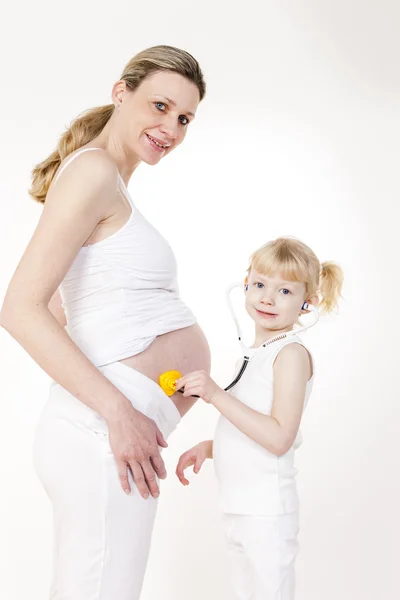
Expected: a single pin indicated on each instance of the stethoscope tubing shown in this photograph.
(250, 352)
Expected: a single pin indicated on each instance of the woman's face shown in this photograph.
(153, 119)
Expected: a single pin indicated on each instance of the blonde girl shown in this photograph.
(258, 428)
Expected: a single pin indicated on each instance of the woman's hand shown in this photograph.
(135, 441)
(199, 383)
(195, 456)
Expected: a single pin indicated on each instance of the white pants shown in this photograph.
(262, 552)
(101, 535)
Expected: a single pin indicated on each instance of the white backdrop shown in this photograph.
(298, 135)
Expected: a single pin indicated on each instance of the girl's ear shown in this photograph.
(311, 300)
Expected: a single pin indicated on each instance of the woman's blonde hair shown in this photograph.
(295, 261)
(90, 123)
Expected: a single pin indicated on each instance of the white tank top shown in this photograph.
(252, 480)
(122, 292)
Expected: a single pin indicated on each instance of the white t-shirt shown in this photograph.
(252, 480)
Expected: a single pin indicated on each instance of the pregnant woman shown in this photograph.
(121, 324)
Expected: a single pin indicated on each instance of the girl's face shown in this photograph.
(153, 119)
(273, 303)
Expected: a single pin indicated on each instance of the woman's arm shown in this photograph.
(56, 309)
(74, 206)
(277, 432)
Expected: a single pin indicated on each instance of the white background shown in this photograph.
(298, 135)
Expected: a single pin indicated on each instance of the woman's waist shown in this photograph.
(184, 350)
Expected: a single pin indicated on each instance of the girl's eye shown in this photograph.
(259, 285)
(184, 120)
(285, 291)
(160, 106)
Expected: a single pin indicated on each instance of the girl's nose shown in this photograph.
(268, 299)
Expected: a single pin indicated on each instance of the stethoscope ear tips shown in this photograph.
(307, 306)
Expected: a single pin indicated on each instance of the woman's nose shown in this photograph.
(170, 128)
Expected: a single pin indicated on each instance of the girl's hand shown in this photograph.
(199, 383)
(195, 456)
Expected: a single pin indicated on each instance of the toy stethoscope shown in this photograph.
(167, 380)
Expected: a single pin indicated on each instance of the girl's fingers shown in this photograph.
(198, 463)
(190, 387)
(183, 463)
(186, 379)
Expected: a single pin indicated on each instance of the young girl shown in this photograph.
(258, 430)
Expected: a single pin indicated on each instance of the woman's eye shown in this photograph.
(160, 105)
(184, 120)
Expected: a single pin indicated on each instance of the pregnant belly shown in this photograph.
(183, 350)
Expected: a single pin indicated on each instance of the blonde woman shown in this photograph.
(121, 324)
(258, 428)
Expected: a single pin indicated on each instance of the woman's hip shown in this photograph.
(144, 394)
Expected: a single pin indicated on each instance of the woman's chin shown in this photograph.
(150, 162)
(150, 158)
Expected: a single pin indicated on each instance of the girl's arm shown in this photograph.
(196, 457)
(277, 432)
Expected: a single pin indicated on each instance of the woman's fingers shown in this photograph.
(123, 476)
(160, 438)
(139, 478)
(135, 441)
(151, 479)
(159, 466)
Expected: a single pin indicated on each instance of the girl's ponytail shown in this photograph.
(330, 285)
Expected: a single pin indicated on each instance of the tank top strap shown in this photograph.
(81, 151)
(126, 192)
(292, 339)
(277, 346)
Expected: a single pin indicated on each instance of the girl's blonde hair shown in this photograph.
(90, 123)
(295, 261)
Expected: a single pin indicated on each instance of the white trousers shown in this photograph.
(261, 553)
(101, 535)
